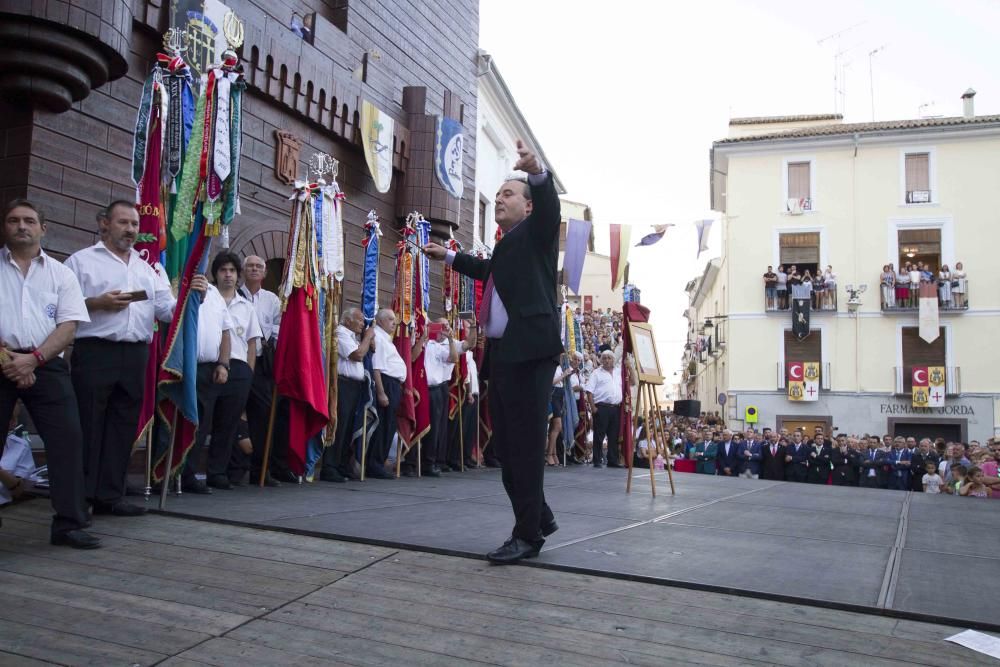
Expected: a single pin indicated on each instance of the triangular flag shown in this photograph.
(621, 235)
(928, 313)
(659, 231)
(703, 227)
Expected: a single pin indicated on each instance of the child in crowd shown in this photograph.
(932, 480)
(973, 485)
(957, 480)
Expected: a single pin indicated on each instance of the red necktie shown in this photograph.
(774, 450)
(484, 306)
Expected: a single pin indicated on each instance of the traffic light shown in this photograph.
(751, 414)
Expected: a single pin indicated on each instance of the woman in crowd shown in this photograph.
(916, 271)
(829, 289)
(944, 286)
(888, 283)
(974, 485)
(903, 286)
(958, 285)
(819, 291)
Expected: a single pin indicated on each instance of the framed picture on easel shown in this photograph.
(644, 349)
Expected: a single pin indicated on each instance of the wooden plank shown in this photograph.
(140, 608)
(117, 628)
(225, 652)
(69, 649)
(752, 635)
(14, 660)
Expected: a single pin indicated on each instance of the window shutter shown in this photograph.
(917, 352)
(917, 172)
(798, 180)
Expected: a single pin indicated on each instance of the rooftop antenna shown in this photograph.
(839, 89)
(871, 79)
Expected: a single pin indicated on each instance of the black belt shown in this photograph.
(441, 385)
(607, 405)
(105, 341)
(344, 378)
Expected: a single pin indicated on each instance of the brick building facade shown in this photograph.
(66, 122)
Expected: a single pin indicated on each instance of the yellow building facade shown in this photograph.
(854, 197)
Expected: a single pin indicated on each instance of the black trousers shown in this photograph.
(435, 444)
(519, 407)
(52, 406)
(796, 472)
(337, 457)
(109, 382)
(379, 448)
(607, 422)
(219, 410)
(258, 415)
(459, 448)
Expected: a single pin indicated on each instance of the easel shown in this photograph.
(648, 405)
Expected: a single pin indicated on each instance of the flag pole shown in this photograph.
(364, 443)
(165, 484)
(270, 435)
(461, 422)
(149, 461)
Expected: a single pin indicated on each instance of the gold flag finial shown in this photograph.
(233, 29)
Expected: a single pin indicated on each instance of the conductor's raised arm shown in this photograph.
(545, 210)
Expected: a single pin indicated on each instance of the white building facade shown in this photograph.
(819, 193)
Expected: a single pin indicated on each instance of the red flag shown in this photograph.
(298, 374)
(406, 419)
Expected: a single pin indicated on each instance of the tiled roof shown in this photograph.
(852, 128)
(760, 120)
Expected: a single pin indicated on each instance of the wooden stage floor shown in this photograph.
(177, 591)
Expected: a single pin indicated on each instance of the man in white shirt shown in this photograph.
(353, 343)
(460, 446)
(125, 297)
(224, 403)
(42, 305)
(389, 371)
(268, 307)
(604, 392)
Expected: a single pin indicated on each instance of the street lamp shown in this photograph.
(854, 297)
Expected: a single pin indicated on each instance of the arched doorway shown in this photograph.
(269, 244)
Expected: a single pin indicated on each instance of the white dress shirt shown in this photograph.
(606, 387)
(347, 343)
(436, 356)
(473, 379)
(496, 318)
(245, 327)
(32, 306)
(386, 359)
(213, 319)
(100, 271)
(268, 307)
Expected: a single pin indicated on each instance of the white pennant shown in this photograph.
(221, 154)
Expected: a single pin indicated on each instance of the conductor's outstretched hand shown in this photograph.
(526, 161)
(435, 251)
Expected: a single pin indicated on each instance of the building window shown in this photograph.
(481, 225)
(800, 249)
(917, 352)
(917, 167)
(808, 349)
(920, 245)
(798, 194)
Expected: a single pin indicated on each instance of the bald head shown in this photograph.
(353, 320)
(386, 319)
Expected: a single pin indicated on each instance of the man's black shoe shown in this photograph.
(379, 473)
(471, 464)
(220, 482)
(409, 472)
(549, 528)
(197, 486)
(268, 481)
(598, 465)
(78, 539)
(284, 476)
(351, 473)
(331, 476)
(492, 463)
(444, 467)
(120, 508)
(512, 551)
(615, 465)
(433, 471)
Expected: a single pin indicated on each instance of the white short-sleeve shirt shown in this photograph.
(347, 343)
(100, 271)
(386, 359)
(606, 387)
(268, 307)
(245, 327)
(213, 319)
(436, 363)
(33, 305)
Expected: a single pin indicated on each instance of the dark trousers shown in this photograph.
(606, 423)
(337, 457)
(379, 448)
(109, 382)
(796, 472)
(519, 407)
(870, 482)
(459, 448)
(258, 416)
(219, 410)
(52, 406)
(435, 444)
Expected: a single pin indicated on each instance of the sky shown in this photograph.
(627, 97)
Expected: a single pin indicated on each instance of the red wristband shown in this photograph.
(39, 356)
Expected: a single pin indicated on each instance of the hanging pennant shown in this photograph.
(369, 284)
(376, 138)
(448, 155)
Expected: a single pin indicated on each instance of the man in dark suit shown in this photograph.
(797, 459)
(726, 457)
(819, 460)
(919, 458)
(522, 327)
(845, 460)
(772, 459)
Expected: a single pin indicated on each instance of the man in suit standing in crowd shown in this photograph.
(772, 459)
(752, 449)
(797, 459)
(899, 459)
(522, 326)
(726, 456)
(819, 460)
(919, 459)
(845, 459)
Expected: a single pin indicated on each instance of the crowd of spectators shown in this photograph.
(901, 289)
(781, 286)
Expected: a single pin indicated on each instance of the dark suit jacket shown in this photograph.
(755, 448)
(772, 467)
(845, 466)
(523, 267)
(732, 461)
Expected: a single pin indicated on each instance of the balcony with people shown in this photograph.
(901, 290)
(783, 285)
